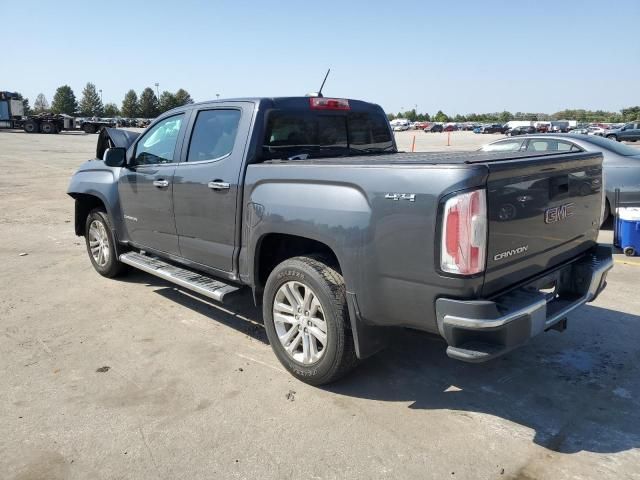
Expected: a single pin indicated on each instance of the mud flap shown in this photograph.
(368, 339)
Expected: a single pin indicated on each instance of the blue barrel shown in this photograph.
(627, 235)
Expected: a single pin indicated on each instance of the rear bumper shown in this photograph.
(480, 330)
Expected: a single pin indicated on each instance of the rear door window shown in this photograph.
(214, 134)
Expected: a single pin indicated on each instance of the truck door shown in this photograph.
(207, 184)
(633, 133)
(146, 186)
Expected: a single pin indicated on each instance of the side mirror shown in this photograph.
(115, 157)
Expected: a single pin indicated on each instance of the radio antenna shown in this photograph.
(323, 82)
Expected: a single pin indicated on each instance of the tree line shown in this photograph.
(588, 116)
(147, 105)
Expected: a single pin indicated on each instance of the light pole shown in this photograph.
(157, 91)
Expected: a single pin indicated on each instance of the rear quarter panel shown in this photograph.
(386, 248)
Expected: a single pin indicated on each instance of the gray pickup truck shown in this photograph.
(307, 201)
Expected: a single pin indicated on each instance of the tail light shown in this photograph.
(464, 233)
(321, 103)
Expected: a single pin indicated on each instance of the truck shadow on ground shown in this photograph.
(579, 391)
(238, 312)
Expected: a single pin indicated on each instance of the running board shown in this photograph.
(197, 282)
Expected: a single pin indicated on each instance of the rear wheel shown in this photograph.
(629, 251)
(89, 128)
(612, 137)
(101, 245)
(31, 126)
(307, 320)
(48, 127)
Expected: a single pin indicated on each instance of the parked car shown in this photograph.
(435, 128)
(559, 127)
(580, 130)
(493, 128)
(621, 162)
(629, 132)
(599, 131)
(515, 131)
(450, 128)
(278, 195)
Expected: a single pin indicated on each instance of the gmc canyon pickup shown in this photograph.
(307, 202)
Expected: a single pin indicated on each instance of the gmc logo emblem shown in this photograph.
(559, 213)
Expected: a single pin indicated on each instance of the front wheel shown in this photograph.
(101, 245)
(612, 137)
(307, 320)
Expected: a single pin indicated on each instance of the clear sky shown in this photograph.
(458, 56)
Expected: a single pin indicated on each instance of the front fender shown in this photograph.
(95, 179)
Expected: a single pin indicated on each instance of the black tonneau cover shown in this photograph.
(436, 158)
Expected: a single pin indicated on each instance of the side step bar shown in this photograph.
(197, 282)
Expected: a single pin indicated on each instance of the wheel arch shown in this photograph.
(273, 248)
(84, 204)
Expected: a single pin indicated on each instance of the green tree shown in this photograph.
(111, 110)
(41, 104)
(440, 117)
(630, 114)
(130, 107)
(167, 101)
(91, 105)
(411, 115)
(64, 101)
(148, 104)
(183, 97)
(505, 116)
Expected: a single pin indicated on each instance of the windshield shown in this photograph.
(325, 134)
(616, 147)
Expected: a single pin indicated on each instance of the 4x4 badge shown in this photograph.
(401, 196)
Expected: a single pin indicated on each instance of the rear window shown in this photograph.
(325, 134)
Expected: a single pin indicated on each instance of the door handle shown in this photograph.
(217, 185)
(161, 183)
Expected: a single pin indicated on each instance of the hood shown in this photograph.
(114, 137)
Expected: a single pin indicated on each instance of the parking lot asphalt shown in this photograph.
(135, 378)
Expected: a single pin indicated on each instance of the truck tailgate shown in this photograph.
(542, 212)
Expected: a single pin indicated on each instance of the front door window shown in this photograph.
(159, 143)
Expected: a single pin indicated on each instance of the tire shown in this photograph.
(293, 278)
(89, 128)
(31, 126)
(629, 251)
(47, 127)
(108, 264)
(612, 137)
